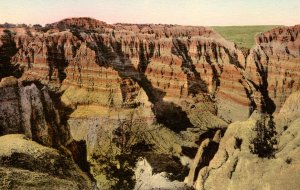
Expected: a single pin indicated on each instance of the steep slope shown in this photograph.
(26, 164)
(279, 56)
(27, 114)
(235, 167)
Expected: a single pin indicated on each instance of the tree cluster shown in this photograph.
(264, 143)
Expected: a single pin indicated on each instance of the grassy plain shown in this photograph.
(243, 36)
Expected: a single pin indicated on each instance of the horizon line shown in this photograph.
(146, 23)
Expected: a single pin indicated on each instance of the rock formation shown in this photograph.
(103, 96)
(28, 117)
(235, 167)
(26, 164)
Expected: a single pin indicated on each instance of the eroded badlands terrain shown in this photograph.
(88, 105)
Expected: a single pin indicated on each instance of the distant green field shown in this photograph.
(243, 36)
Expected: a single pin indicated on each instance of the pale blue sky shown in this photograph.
(186, 12)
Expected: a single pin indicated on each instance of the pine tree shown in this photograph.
(264, 144)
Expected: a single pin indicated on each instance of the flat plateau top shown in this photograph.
(243, 36)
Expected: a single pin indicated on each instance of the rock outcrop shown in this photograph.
(148, 180)
(235, 167)
(82, 22)
(25, 109)
(25, 164)
(28, 117)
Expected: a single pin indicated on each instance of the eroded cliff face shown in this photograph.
(36, 150)
(277, 56)
(126, 91)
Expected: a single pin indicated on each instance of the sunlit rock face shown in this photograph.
(234, 166)
(111, 94)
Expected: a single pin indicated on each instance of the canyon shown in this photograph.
(90, 105)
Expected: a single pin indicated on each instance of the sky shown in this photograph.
(184, 12)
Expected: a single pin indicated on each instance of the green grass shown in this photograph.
(243, 36)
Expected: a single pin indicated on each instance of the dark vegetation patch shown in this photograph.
(265, 142)
(238, 143)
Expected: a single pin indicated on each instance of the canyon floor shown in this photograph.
(90, 105)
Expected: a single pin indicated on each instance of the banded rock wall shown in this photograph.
(173, 82)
